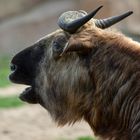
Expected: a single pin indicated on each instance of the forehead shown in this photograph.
(52, 35)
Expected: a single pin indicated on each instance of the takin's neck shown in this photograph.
(115, 70)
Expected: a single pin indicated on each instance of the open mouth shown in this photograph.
(28, 95)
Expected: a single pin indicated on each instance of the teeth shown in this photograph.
(28, 89)
(25, 92)
(29, 96)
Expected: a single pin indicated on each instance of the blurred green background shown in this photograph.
(22, 22)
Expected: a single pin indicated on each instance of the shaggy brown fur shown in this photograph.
(115, 68)
(102, 85)
(97, 79)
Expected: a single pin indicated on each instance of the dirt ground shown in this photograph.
(32, 122)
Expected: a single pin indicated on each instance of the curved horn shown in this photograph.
(105, 23)
(72, 21)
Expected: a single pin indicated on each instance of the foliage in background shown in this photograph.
(86, 138)
(10, 102)
(4, 71)
(83, 138)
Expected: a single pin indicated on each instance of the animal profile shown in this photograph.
(83, 71)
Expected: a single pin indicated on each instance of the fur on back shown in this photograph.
(102, 87)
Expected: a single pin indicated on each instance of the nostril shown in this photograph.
(13, 67)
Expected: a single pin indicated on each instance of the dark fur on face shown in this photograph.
(97, 79)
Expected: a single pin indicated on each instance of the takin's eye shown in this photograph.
(58, 45)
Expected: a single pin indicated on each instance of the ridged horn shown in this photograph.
(71, 21)
(105, 23)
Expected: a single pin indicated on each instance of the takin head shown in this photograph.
(57, 67)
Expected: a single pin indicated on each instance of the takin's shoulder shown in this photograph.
(122, 43)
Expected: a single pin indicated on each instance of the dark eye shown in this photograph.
(57, 47)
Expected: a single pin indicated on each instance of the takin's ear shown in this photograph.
(81, 44)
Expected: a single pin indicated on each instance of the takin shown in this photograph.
(83, 71)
